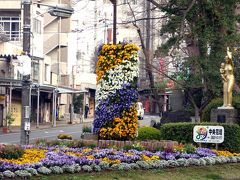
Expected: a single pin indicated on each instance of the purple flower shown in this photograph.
(187, 156)
(205, 152)
(114, 105)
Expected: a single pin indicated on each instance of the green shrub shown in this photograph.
(183, 133)
(73, 143)
(40, 141)
(188, 148)
(91, 145)
(87, 129)
(11, 151)
(148, 133)
(61, 143)
(214, 104)
(64, 136)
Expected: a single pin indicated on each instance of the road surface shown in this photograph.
(52, 133)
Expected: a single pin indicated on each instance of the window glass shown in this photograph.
(47, 73)
(37, 25)
(10, 26)
(35, 71)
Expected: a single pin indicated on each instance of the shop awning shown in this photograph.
(62, 90)
(59, 90)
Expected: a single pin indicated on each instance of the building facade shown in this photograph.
(51, 93)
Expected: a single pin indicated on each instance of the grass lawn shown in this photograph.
(226, 171)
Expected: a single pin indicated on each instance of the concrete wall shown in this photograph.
(10, 4)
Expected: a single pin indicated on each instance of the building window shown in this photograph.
(37, 26)
(35, 71)
(47, 73)
(10, 26)
(19, 75)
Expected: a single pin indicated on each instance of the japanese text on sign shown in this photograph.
(208, 134)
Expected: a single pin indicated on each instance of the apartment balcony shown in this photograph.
(59, 68)
(55, 41)
(65, 80)
(48, 19)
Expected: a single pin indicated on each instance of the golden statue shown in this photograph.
(227, 76)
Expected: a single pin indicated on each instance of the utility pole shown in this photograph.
(114, 2)
(59, 11)
(25, 121)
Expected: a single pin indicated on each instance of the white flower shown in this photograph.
(121, 74)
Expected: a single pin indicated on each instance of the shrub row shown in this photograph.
(11, 151)
(183, 133)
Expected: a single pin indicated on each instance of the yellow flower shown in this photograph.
(146, 158)
(223, 153)
(90, 157)
(29, 156)
(116, 161)
(155, 158)
(86, 150)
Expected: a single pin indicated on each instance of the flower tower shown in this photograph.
(116, 95)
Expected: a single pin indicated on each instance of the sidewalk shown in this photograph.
(61, 123)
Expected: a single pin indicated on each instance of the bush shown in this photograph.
(11, 151)
(148, 133)
(40, 141)
(73, 143)
(10, 119)
(214, 104)
(58, 143)
(183, 133)
(87, 129)
(188, 148)
(65, 136)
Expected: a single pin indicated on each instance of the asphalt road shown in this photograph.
(147, 120)
(52, 133)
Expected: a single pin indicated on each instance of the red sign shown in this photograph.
(162, 65)
(170, 84)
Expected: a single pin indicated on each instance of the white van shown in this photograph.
(140, 110)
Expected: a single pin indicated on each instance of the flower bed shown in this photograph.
(116, 93)
(57, 160)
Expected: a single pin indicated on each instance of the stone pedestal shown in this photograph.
(224, 115)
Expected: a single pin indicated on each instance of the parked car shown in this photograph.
(140, 110)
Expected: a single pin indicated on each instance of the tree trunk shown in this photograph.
(148, 58)
(197, 114)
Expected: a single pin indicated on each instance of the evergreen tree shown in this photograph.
(206, 28)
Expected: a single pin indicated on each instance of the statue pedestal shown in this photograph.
(224, 115)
